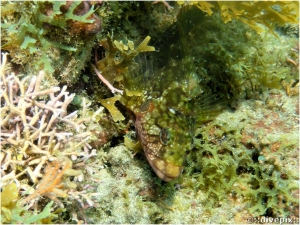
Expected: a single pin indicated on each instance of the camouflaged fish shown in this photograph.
(165, 94)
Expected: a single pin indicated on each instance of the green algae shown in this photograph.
(238, 160)
(40, 31)
(232, 163)
(12, 212)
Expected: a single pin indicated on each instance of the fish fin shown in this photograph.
(207, 107)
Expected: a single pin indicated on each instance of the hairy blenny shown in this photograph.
(172, 99)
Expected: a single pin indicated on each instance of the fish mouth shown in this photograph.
(164, 170)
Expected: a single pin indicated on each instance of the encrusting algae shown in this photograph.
(208, 90)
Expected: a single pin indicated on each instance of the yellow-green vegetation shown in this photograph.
(246, 157)
(212, 99)
(12, 212)
(237, 55)
(267, 13)
(52, 34)
(119, 57)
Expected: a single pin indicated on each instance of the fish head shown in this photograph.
(165, 135)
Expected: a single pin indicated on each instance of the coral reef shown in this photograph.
(217, 82)
(38, 136)
(28, 128)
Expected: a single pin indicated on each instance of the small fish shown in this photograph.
(173, 99)
(166, 113)
(165, 134)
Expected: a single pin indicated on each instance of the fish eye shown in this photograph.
(145, 106)
(164, 136)
(176, 112)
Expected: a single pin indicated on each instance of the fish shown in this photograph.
(164, 130)
(165, 121)
(172, 100)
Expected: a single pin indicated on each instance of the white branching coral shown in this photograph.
(38, 135)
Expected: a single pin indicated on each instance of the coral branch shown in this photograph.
(35, 129)
(106, 82)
